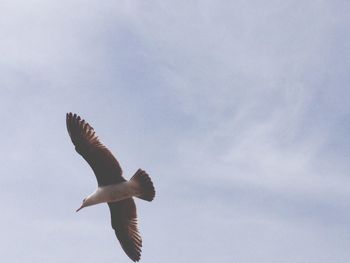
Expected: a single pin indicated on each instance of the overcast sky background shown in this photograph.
(239, 111)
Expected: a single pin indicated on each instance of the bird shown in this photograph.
(113, 188)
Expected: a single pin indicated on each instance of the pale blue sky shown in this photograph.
(239, 111)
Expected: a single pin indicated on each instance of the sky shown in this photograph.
(238, 110)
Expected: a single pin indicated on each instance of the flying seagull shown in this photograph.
(112, 188)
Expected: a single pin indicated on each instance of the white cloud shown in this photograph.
(227, 104)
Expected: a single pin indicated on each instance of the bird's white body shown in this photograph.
(112, 193)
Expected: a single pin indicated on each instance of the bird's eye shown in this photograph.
(84, 200)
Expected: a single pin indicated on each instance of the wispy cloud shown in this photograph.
(238, 110)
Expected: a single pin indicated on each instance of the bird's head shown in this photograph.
(92, 199)
(85, 203)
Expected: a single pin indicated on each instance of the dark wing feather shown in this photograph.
(124, 223)
(87, 144)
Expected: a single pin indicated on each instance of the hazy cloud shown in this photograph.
(238, 110)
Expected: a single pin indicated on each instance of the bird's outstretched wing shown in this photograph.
(87, 144)
(124, 223)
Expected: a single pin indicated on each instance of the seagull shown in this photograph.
(113, 188)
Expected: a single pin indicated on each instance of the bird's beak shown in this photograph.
(80, 208)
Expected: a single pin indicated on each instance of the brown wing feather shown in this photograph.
(105, 166)
(124, 223)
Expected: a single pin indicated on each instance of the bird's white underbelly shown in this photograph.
(115, 192)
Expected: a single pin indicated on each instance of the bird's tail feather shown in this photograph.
(145, 185)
